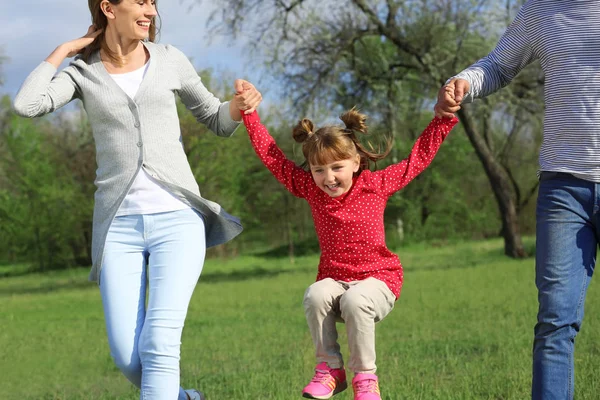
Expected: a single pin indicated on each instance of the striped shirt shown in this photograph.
(564, 35)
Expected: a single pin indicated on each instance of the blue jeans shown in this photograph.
(566, 242)
(162, 253)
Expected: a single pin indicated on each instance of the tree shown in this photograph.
(3, 59)
(41, 205)
(332, 52)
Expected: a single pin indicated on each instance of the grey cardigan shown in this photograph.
(134, 134)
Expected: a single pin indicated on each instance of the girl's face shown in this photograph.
(335, 178)
(131, 18)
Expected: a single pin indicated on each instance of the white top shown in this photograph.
(145, 196)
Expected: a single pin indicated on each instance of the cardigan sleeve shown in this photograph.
(296, 180)
(44, 92)
(206, 107)
(396, 176)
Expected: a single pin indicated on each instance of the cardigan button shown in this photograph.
(137, 124)
(139, 144)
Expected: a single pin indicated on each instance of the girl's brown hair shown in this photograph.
(334, 143)
(101, 22)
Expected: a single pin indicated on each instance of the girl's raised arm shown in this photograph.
(294, 178)
(396, 176)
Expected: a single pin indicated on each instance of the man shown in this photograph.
(565, 37)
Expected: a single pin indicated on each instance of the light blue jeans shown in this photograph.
(568, 225)
(161, 254)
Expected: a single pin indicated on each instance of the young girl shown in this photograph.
(151, 225)
(358, 278)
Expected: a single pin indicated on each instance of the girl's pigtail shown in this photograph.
(302, 131)
(354, 121)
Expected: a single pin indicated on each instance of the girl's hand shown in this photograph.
(76, 46)
(450, 97)
(246, 97)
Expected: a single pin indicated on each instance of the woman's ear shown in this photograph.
(107, 8)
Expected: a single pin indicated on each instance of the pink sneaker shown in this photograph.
(366, 387)
(326, 382)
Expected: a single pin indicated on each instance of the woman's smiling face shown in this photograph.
(132, 18)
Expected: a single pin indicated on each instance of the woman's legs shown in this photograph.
(177, 250)
(145, 343)
(123, 291)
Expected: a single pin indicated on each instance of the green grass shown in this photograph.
(462, 329)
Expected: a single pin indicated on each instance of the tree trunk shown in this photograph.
(501, 186)
(290, 231)
(290, 234)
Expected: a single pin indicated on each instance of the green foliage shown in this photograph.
(440, 204)
(42, 209)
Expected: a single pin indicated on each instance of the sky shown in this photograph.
(31, 29)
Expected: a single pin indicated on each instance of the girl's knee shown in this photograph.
(318, 293)
(356, 304)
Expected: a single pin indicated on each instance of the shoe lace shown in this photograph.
(322, 377)
(366, 386)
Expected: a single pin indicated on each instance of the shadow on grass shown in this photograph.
(460, 264)
(303, 248)
(461, 258)
(45, 287)
(9, 271)
(254, 272)
(11, 274)
(48, 286)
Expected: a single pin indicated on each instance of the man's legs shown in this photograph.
(566, 242)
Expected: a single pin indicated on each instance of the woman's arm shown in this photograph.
(43, 92)
(220, 117)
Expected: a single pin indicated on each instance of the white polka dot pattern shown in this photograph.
(350, 227)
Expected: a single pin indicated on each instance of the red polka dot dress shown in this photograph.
(350, 228)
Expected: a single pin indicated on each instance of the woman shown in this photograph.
(151, 225)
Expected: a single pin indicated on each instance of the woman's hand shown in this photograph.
(76, 46)
(73, 47)
(246, 99)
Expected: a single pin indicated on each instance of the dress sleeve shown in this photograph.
(294, 178)
(396, 176)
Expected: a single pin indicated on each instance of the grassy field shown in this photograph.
(462, 329)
